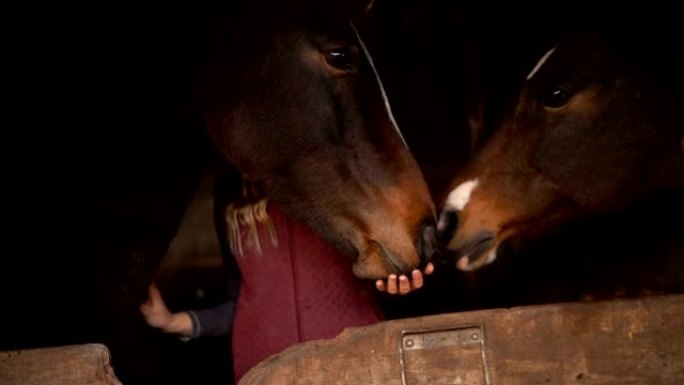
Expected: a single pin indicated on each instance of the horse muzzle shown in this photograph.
(475, 252)
(397, 255)
(469, 249)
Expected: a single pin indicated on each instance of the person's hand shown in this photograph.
(402, 284)
(158, 315)
(154, 309)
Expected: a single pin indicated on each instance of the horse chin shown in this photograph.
(363, 271)
(377, 262)
(474, 252)
(474, 262)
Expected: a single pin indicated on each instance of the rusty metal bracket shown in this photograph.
(444, 356)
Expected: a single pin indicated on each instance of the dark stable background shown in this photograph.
(134, 166)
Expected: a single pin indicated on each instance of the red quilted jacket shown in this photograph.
(301, 290)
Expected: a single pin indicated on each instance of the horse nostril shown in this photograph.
(428, 241)
(446, 226)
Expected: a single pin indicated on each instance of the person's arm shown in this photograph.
(215, 321)
(158, 315)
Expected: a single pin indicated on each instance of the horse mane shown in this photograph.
(249, 216)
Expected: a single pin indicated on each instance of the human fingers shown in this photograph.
(404, 285)
(392, 284)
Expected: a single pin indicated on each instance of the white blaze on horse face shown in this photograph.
(457, 200)
(540, 63)
(382, 89)
(460, 196)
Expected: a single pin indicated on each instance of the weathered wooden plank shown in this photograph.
(639, 341)
(86, 364)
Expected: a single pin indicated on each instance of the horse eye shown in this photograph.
(555, 97)
(340, 58)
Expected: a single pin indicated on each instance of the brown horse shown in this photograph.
(293, 100)
(290, 97)
(596, 129)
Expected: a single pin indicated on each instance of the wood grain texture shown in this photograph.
(637, 341)
(87, 364)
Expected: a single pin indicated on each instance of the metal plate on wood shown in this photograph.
(636, 342)
(453, 356)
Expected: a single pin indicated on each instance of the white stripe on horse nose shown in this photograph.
(460, 196)
(382, 89)
(540, 63)
(456, 201)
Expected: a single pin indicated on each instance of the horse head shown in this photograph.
(297, 105)
(595, 129)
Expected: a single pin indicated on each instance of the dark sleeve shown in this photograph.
(215, 321)
(218, 320)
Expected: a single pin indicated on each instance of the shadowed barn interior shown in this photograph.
(146, 174)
